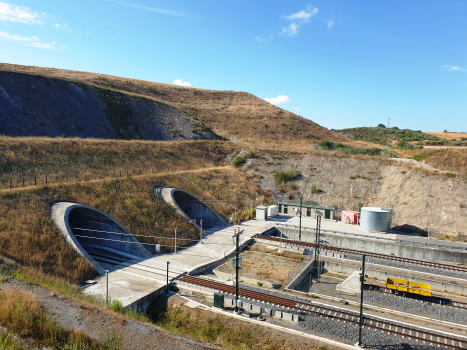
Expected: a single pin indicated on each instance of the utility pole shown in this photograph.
(300, 229)
(201, 232)
(317, 245)
(167, 286)
(107, 288)
(362, 285)
(237, 244)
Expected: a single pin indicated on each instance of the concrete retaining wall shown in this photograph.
(380, 246)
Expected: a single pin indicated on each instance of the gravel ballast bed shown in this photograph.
(346, 331)
(417, 307)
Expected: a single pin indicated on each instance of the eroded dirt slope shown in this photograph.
(227, 113)
(39, 106)
(415, 195)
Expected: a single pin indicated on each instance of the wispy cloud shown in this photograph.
(277, 100)
(33, 41)
(330, 24)
(298, 19)
(455, 69)
(181, 83)
(22, 14)
(150, 9)
(264, 38)
(296, 108)
(60, 26)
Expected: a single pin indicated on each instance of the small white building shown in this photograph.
(261, 212)
(273, 210)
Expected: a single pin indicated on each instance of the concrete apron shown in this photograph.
(137, 283)
(381, 273)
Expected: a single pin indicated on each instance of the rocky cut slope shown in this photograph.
(40, 106)
(227, 113)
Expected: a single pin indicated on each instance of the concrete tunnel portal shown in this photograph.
(102, 240)
(191, 208)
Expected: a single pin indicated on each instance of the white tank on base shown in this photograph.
(375, 219)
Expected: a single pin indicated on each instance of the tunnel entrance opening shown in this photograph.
(197, 210)
(103, 238)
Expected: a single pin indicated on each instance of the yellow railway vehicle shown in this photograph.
(409, 287)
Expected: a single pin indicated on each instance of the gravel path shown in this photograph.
(408, 266)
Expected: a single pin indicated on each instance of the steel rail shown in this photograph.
(376, 324)
(373, 255)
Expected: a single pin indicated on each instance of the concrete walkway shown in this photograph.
(133, 282)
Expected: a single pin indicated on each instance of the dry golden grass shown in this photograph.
(451, 160)
(21, 313)
(28, 236)
(41, 156)
(229, 333)
(227, 113)
(454, 136)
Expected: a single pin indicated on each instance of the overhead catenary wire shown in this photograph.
(154, 244)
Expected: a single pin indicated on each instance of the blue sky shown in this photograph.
(339, 63)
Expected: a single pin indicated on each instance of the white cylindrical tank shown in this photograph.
(375, 219)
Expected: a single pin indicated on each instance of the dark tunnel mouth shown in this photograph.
(195, 209)
(104, 234)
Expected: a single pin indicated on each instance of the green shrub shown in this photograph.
(326, 144)
(461, 205)
(238, 161)
(450, 175)
(403, 172)
(283, 176)
(260, 284)
(293, 186)
(250, 155)
(255, 168)
(314, 189)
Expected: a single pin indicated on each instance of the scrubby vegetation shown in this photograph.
(404, 138)
(22, 314)
(328, 145)
(284, 176)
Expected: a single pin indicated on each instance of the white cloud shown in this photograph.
(330, 24)
(296, 108)
(264, 38)
(60, 26)
(298, 19)
(20, 14)
(150, 9)
(303, 15)
(181, 83)
(291, 30)
(33, 41)
(277, 100)
(455, 69)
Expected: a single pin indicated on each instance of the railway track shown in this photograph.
(368, 254)
(419, 335)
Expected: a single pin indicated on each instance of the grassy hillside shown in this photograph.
(39, 157)
(227, 113)
(28, 236)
